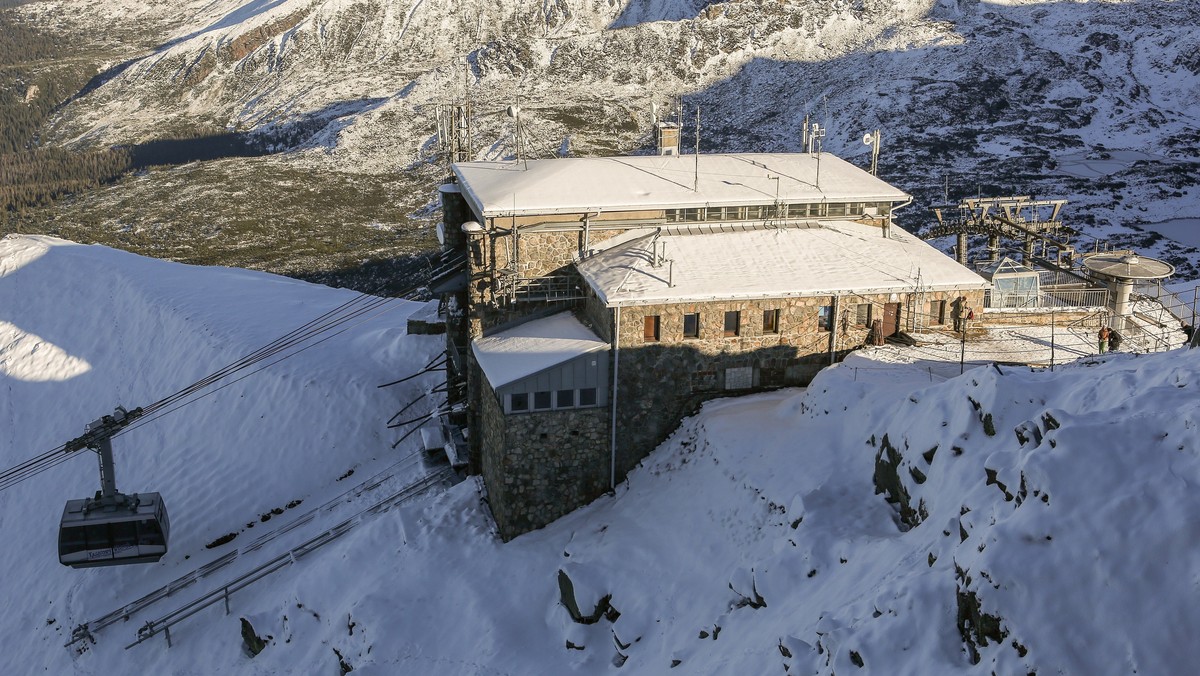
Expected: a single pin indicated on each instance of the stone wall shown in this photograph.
(541, 466)
(1091, 319)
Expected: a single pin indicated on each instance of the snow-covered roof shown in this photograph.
(831, 257)
(568, 185)
(532, 347)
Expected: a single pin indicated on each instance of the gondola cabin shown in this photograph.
(92, 535)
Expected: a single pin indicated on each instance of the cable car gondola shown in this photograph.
(112, 529)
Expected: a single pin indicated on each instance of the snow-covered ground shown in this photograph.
(1063, 504)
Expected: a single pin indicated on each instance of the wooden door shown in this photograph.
(891, 319)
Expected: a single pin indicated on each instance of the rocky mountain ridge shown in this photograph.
(971, 97)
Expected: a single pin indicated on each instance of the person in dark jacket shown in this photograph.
(1114, 340)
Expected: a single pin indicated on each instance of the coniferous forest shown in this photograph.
(32, 86)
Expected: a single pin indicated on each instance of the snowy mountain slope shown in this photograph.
(1090, 101)
(752, 541)
(127, 330)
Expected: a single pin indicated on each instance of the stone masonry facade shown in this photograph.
(541, 466)
(660, 382)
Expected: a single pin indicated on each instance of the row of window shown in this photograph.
(652, 324)
(547, 400)
(760, 212)
(864, 313)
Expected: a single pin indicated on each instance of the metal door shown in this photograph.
(891, 319)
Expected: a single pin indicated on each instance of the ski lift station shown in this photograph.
(601, 300)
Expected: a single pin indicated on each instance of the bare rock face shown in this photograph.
(250, 640)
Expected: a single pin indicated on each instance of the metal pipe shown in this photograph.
(612, 478)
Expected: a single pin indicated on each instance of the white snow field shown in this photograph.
(751, 542)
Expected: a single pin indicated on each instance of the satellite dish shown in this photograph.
(868, 138)
(513, 111)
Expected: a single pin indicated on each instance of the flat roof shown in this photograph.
(573, 185)
(532, 347)
(826, 258)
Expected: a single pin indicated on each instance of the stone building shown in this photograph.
(603, 299)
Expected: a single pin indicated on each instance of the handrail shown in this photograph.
(88, 629)
(164, 623)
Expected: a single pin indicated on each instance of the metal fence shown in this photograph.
(1060, 297)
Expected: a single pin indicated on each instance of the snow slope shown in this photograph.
(753, 541)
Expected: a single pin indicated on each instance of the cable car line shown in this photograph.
(115, 528)
(338, 316)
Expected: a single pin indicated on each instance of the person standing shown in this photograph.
(957, 308)
(1114, 340)
(1103, 342)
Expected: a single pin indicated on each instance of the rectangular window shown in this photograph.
(541, 400)
(518, 402)
(855, 208)
(797, 210)
(587, 396)
(733, 322)
(564, 399)
(825, 318)
(837, 209)
(937, 312)
(650, 329)
(694, 214)
(691, 325)
(722, 213)
(770, 321)
(863, 314)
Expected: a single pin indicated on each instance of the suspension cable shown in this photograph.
(363, 307)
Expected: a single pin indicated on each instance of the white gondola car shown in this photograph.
(91, 535)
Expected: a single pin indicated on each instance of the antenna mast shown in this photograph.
(696, 175)
(814, 147)
(871, 138)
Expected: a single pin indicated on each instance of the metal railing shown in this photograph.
(87, 630)
(1062, 297)
(1179, 305)
(555, 287)
(163, 624)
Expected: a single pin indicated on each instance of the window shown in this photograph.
(587, 396)
(863, 314)
(650, 329)
(691, 325)
(770, 321)
(694, 214)
(564, 399)
(733, 321)
(518, 402)
(837, 209)
(937, 312)
(825, 318)
(541, 400)
(855, 208)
